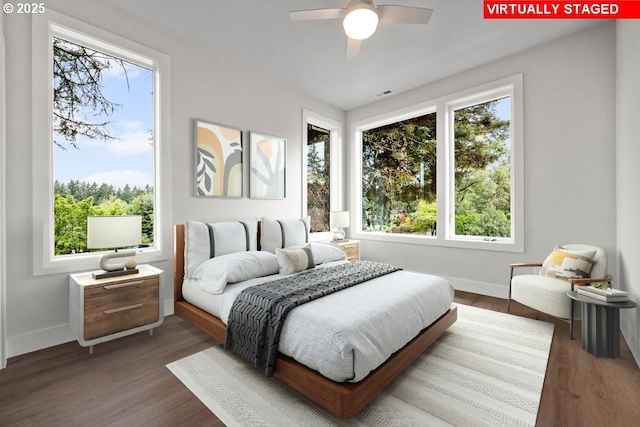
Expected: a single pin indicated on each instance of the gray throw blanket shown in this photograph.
(259, 312)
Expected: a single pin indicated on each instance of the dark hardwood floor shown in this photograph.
(125, 382)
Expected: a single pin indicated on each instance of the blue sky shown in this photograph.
(504, 108)
(117, 162)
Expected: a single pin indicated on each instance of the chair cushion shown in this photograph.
(542, 293)
(570, 264)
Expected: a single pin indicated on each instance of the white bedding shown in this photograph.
(346, 335)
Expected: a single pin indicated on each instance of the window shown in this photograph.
(446, 172)
(318, 177)
(482, 170)
(321, 162)
(100, 138)
(103, 108)
(399, 177)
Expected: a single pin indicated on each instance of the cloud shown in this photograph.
(115, 70)
(121, 178)
(132, 138)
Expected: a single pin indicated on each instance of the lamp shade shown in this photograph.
(339, 219)
(360, 21)
(106, 232)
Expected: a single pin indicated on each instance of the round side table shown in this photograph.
(600, 324)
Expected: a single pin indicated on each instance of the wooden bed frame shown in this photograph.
(344, 400)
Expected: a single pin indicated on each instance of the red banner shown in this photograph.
(500, 9)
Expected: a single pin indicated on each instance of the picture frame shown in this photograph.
(218, 160)
(268, 166)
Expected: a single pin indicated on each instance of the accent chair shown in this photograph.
(547, 290)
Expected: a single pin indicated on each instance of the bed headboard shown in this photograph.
(207, 241)
(178, 262)
(230, 237)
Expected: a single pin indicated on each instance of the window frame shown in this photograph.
(45, 27)
(443, 107)
(335, 147)
(458, 104)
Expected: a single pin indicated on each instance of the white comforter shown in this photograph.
(346, 335)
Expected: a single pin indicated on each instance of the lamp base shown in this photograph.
(338, 235)
(105, 274)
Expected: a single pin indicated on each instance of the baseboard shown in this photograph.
(168, 307)
(38, 340)
(49, 337)
(482, 288)
(632, 339)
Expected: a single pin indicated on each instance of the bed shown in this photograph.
(339, 393)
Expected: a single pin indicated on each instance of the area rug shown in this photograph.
(486, 370)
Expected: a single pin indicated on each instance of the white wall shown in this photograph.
(569, 140)
(204, 86)
(628, 174)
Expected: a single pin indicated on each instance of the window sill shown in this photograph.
(90, 262)
(498, 245)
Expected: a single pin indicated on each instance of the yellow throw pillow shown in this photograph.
(570, 264)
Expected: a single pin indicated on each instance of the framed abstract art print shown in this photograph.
(218, 160)
(268, 158)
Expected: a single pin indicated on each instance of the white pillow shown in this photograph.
(324, 252)
(283, 233)
(214, 274)
(294, 260)
(221, 238)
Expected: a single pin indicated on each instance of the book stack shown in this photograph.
(607, 295)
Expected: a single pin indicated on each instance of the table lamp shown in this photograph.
(338, 220)
(113, 232)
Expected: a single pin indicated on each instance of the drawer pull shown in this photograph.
(350, 246)
(117, 310)
(124, 285)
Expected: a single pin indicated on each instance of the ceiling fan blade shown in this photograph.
(404, 14)
(316, 14)
(353, 47)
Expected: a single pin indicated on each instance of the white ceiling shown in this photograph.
(311, 55)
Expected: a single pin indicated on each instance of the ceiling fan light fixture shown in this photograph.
(360, 21)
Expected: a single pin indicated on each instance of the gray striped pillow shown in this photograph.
(294, 260)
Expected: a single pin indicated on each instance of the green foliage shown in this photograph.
(490, 223)
(423, 220)
(70, 224)
(318, 179)
(76, 201)
(143, 205)
(113, 207)
(398, 169)
(399, 174)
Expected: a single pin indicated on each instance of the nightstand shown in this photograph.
(105, 309)
(349, 247)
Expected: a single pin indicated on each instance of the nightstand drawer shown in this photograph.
(118, 306)
(351, 249)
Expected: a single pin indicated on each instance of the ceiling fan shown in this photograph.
(360, 19)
